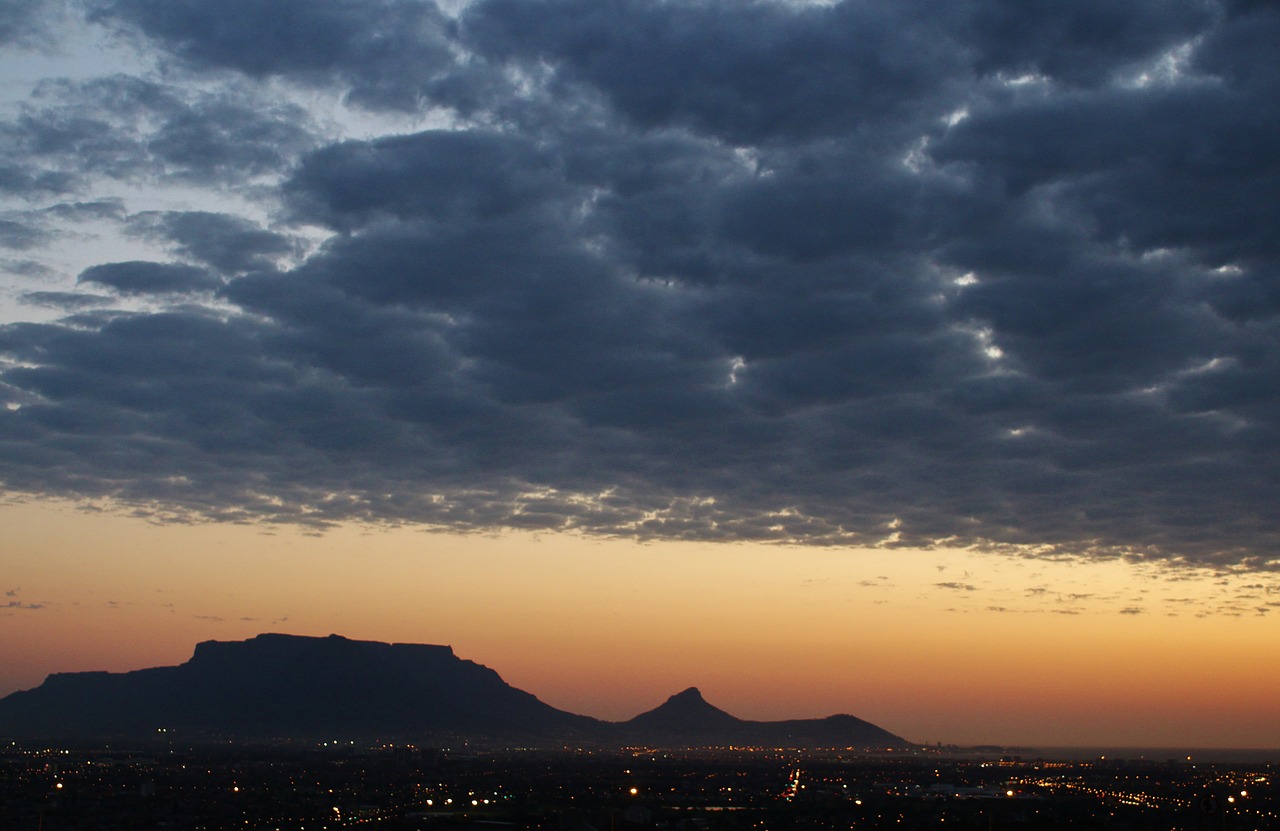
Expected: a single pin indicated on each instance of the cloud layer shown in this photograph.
(859, 273)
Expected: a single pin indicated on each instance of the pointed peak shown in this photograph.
(686, 710)
(691, 694)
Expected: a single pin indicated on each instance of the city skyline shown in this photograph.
(915, 363)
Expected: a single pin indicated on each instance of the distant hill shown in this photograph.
(687, 718)
(275, 686)
(686, 713)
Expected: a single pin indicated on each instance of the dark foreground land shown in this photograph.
(401, 787)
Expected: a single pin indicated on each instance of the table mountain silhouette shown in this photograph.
(287, 685)
(290, 686)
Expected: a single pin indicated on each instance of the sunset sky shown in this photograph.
(912, 360)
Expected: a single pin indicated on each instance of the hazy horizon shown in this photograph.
(1178, 753)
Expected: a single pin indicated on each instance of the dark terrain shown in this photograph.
(287, 686)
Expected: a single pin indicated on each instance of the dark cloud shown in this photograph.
(150, 278)
(17, 604)
(18, 180)
(751, 71)
(106, 209)
(136, 130)
(1081, 43)
(987, 275)
(384, 49)
(229, 244)
(31, 229)
(743, 71)
(22, 22)
(26, 268)
(20, 236)
(65, 300)
(445, 177)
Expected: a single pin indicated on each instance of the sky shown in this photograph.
(919, 362)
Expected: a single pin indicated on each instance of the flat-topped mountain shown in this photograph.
(275, 686)
(287, 685)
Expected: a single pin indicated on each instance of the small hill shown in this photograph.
(687, 719)
(685, 713)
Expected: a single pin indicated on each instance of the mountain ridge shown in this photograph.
(293, 686)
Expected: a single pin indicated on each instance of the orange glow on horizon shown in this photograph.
(936, 646)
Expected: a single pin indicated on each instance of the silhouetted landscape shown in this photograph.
(917, 361)
(290, 732)
(278, 686)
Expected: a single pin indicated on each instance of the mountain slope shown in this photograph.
(687, 719)
(683, 713)
(301, 687)
(286, 685)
